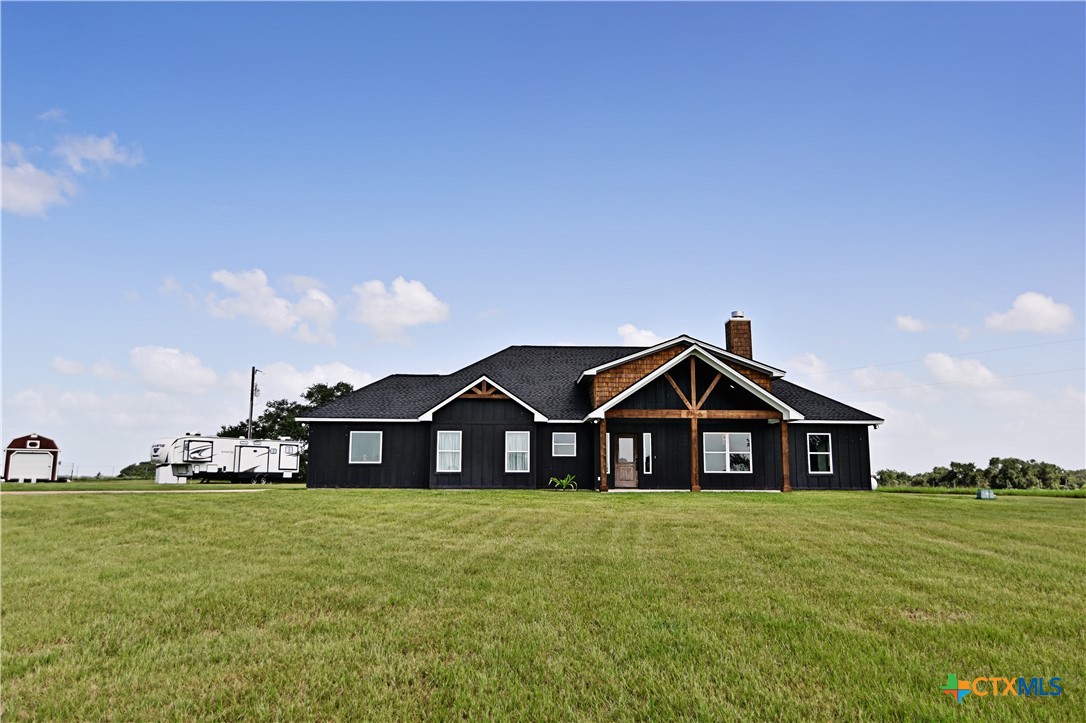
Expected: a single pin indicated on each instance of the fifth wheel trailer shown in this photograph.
(226, 459)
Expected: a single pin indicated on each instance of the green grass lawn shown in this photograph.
(403, 605)
(131, 485)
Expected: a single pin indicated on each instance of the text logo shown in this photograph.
(995, 686)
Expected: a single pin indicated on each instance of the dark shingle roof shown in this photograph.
(815, 406)
(544, 378)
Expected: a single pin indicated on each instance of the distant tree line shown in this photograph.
(138, 470)
(1002, 473)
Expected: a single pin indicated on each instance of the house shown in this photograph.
(683, 414)
(32, 458)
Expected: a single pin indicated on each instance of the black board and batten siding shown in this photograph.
(849, 453)
(403, 456)
(580, 466)
(765, 441)
(482, 424)
(670, 468)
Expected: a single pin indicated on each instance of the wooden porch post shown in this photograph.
(603, 455)
(695, 486)
(786, 471)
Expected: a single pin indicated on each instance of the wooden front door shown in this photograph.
(626, 462)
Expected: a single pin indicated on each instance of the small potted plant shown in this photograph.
(564, 483)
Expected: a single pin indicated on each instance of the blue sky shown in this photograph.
(892, 193)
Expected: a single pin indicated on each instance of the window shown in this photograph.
(608, 453)
(646, 452)
(564, 444)
(516, 451)
(448, 451)
(727, 451)
(365, 448)
(33, 444)
(819, 460)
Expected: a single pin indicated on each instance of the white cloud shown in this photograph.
(873, 379)
(282, 380)
(389, 312)
(1034, 312)
(319, 310)
(170, 286)
(1018, 400)
(310, 317)
(1074, 397)
(82, 152)
(105, 431)
(808, 368)
(632, 336)
(968, 372)
(911, 324)
(53, 114)
(255, 300)
(29, 190)
(33, 408)
(106, 370)
(66, 367)
(172, 370)
(300, 284)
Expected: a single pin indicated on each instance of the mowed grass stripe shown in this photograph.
(401, 605)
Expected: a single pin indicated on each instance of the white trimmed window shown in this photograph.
(365, 448)
(646, 452)
(516, 451)
(819, 457)
(564, 444)
(33, 444)
(449, 450)
(727, 452)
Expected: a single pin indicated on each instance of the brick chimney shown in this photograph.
(737, 335)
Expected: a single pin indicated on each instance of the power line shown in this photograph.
(971, 381)
(968, 353)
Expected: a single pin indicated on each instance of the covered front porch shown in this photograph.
(674, 431)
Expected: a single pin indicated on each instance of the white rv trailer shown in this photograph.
(228, 459)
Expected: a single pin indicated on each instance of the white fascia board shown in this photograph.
(867, 422)
(787, 413)
(772, 371)
(565, 421)
(349, 419)
(739, 359)
(428, 416)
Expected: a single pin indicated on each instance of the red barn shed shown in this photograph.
(32, 458)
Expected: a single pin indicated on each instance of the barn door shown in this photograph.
(30, 466)
(626, 462)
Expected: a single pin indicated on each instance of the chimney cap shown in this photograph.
(738, 315)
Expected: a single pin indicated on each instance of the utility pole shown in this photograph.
(252, 395)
